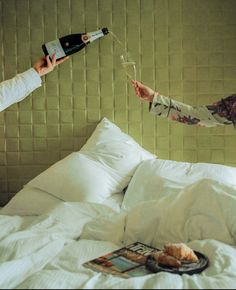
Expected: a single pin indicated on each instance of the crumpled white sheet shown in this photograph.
(49, 253)
(24, 251)
(66, 272)
(9, 225)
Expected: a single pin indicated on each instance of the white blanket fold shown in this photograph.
(204, 210)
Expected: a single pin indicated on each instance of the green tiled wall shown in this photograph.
(183, 48)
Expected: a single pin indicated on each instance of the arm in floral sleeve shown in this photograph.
(166, 107)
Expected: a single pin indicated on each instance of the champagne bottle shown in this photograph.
(71, 43)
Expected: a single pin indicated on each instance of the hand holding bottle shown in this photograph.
(44, 65)
(142, 91)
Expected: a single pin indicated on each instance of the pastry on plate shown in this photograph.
(167, 260)
(181, 252)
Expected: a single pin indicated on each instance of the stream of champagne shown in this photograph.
(126, 60)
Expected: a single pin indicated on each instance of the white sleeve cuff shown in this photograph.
(16, 89)
(32, 79)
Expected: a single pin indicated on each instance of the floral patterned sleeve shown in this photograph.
(207, 116)
(225, 109)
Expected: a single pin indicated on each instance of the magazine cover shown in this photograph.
(129, 261)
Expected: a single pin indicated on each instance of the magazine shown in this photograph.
(129, 261)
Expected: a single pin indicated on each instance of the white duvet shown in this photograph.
(49, 253)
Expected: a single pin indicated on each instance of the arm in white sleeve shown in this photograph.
(16, 89)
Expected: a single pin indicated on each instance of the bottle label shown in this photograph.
(91, 36)
(55, 47)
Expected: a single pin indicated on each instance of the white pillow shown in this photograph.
(155, 179)
(114, 149)
(104, 166)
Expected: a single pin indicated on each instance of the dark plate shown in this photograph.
(186, 268)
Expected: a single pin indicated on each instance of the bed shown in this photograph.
(109, 194)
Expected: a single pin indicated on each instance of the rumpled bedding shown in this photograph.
(49, 252)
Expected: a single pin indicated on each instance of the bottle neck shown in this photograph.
(95, 35)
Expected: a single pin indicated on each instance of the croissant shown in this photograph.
(167, 260)
(180, 252)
